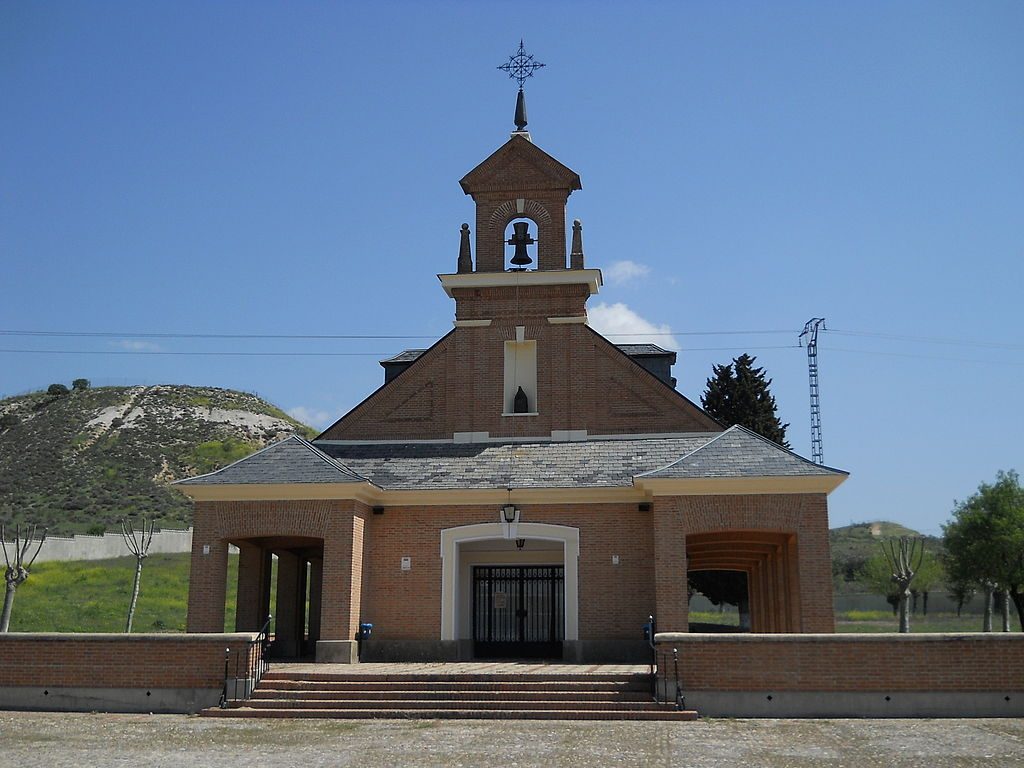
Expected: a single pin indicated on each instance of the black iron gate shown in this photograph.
(518, 611)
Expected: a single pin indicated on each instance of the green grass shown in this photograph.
(93, 596)
(933, 622)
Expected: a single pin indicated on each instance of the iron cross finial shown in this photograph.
(521, 65)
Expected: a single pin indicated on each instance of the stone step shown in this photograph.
(460, 714)
(459, 677)
(431, 703)
(417, 683)
(450, 695)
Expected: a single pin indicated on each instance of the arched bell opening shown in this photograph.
(521, 243)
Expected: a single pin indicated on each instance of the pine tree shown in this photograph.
(737, 393)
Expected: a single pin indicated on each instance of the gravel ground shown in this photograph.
(29, 739)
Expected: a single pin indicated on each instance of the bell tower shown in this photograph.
(522, 272)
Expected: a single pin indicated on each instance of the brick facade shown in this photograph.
(634, 545)
(583, 382)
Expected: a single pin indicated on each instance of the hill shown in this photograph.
(77, 461)
(854, 545)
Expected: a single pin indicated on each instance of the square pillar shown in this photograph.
(342, 591)
(316, 589)
(252, 604)
(208, 577)
(290, 618)
(671, 596)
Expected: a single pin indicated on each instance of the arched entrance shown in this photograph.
(502, 600)
(764, 561)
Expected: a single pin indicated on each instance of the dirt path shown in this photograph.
(29, 740)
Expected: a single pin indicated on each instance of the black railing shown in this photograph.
(664, 685)
(249, 664)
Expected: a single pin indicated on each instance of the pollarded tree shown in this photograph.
(737, 393)
(985, 539)
(18, 559)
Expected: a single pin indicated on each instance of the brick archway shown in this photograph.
(769, 561)
(451, 538)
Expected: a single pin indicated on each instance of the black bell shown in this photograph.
(521, 403)
(520, 239)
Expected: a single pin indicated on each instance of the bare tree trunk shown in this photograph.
(5, 618)
(1006, 610)
(138, 545)
(17, 563)
(135, 594)
(986, 624)
(924, 602)
(913, 601)
(904, 613)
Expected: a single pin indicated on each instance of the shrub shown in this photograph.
(8, 420)
(57, 390)
(80, 384)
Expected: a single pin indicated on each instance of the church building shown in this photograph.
(523, 488)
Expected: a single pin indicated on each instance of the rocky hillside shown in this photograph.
(77, 461)
(853, 545)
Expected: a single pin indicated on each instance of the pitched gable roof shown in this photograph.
(738, 452)
(507, 163)
(292, 460)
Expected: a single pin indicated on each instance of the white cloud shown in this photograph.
(626, 271)
(314, 417)
(135, 345)
(612, 319)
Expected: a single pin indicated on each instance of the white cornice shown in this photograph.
(739, 486)
(589, 277)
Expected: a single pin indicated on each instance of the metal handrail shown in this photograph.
(250, 664)
(662, 678)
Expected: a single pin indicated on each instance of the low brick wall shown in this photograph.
(847, 675)
(117, 672)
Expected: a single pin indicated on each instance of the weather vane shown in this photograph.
(521, 66)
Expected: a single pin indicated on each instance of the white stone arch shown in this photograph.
(452, 537)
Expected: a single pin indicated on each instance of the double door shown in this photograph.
(518, 611)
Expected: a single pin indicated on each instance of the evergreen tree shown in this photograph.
(737, 393)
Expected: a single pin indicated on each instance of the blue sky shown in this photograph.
(257, 168)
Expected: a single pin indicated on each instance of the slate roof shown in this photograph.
(292, 460)
(738, 452)
(405, 356)
(436, 466)
(643, 349)
(593, 463)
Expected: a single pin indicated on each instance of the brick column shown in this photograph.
(342, 589)
(289, 620)
(250, 611)
(814, 561)
(208, 576)
(316, 589)
(672, 609)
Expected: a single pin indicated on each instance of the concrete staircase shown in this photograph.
(534, 696)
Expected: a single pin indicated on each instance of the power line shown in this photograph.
(327, 337)
(925, 357)
(233, 353)
(224, 353)
(925, 339)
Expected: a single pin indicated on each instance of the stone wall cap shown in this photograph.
(121, 637)
(691, 638)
